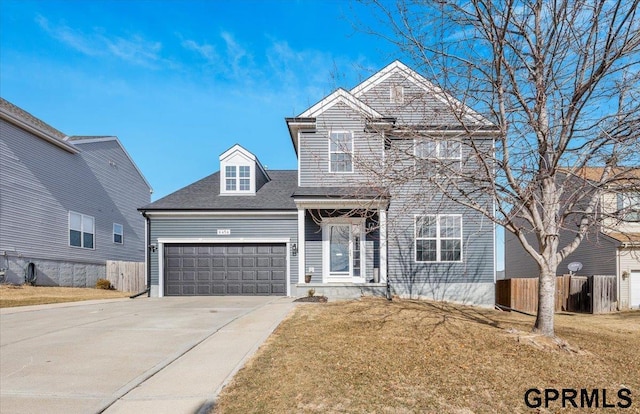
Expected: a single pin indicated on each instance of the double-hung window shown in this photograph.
(81, 230)
(440, 155)
(237, 178)
(438, 238)
(341, 151)
(629, 206)
(118, 233)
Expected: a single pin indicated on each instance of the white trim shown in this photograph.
(160, 269)
(251, 191)
(231, 214)
(113, 234)
(351, 153)
(338, 203)
(288, 261)
(438, 238)
(297, 145)
(382, 215)
(90, 140)
(82, 232)
(420, 81)
(20, 123)
(327, 222)
(340, 95)
(220, 240)
(301, 245)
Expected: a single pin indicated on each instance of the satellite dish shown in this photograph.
(574, 266)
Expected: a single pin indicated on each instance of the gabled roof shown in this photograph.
(30, 123)
(83, 140)
(204, 195)
(307, 119)
(396, 67)
(617, 173)
(340, 96)
(237, 148)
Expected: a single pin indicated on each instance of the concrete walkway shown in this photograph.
(168, 355)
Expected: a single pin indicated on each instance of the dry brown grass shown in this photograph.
(25, 295)
(407, 356)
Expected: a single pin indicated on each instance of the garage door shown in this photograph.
(634, 290)
(225, 269)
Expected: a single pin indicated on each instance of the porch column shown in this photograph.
(301, 249)
(383, 244)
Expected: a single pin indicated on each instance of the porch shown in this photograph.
(341, 291)
(342, 245)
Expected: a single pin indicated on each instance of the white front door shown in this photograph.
(343, 252)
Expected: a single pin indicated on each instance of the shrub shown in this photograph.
(103, 284)
(311, 292)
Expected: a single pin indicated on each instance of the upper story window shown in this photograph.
(81, 230)
(118, 233)
(341, 151)
(438, 238)
(629, 206)
(237, 178)
(439, 154)
(443, 150)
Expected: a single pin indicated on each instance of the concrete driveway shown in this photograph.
(160, 355)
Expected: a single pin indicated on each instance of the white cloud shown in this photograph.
(134, 49)
(206, 51)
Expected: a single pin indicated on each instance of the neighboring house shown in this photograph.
(67, 204)
(246, 230)
(612, 249)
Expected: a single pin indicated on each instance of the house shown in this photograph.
(336, 220)
(67, 204)
(613, 248)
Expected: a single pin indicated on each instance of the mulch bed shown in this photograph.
(312, 299)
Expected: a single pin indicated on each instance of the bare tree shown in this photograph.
(560, 81)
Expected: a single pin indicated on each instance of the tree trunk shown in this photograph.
(546, 303)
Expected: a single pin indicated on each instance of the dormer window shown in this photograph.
(240, 172)
(237, 178)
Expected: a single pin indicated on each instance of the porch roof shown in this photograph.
(348, 193)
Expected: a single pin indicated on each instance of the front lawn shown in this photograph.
(24, 295)
(411, 356)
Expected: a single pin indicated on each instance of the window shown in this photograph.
(629, 206)
(81, 230)
(245, 178)
(117, 233)
(438, 238)
(237, 178)
(443, 150)
(438, 155)
(341, 152)
(230, 175)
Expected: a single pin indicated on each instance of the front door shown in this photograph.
(343, 252)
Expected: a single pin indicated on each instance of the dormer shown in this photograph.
(240, 172)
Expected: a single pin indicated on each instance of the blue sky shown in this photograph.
(181, 81)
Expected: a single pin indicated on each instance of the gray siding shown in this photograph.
(420, 107)
(314, 149)
(40, 183)
(597, 253)
(394, 167)
(206, 227)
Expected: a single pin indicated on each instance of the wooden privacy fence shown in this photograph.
(126, 276)
(590, 294)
